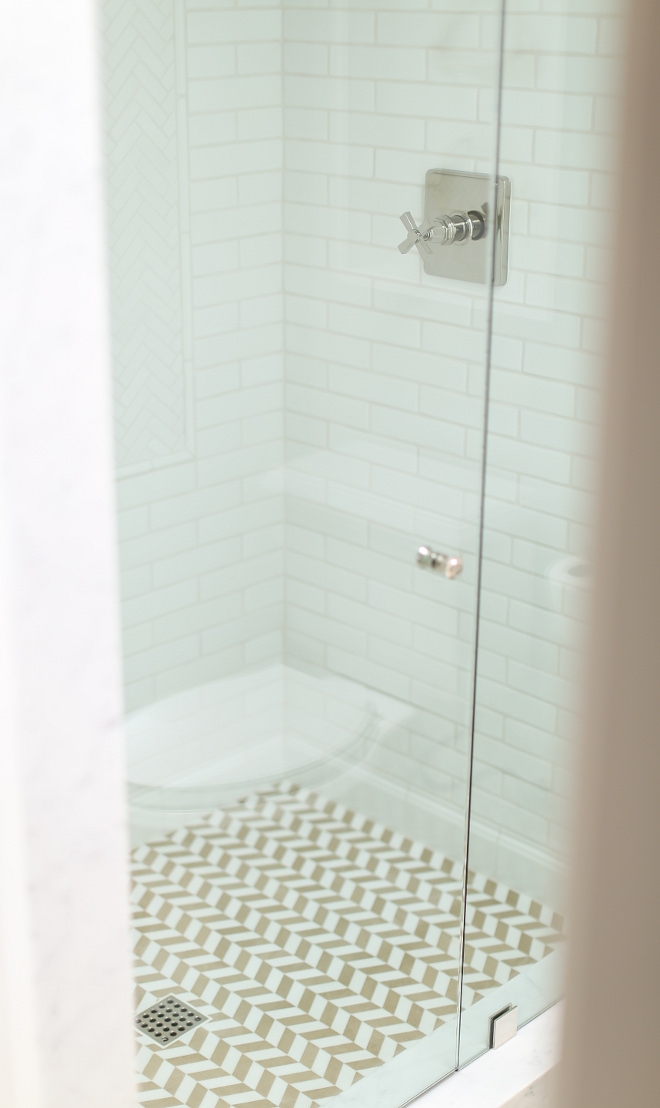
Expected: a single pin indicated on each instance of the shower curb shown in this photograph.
(521, 1073)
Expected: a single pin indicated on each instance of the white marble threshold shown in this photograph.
(520, 1073)
(516, 1075)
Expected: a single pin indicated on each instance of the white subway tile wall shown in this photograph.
(549, 378)
(328, 397)
(194, 149)
(385, 374)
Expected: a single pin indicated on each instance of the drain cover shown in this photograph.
(168, 1020)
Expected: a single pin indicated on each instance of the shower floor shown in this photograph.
(318, 942)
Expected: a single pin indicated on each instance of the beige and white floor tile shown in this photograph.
(319, 944)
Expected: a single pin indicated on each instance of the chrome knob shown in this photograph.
(453, 566)
(449, 564)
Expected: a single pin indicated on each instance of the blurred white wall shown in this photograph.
(63, 895)
(613, 1024)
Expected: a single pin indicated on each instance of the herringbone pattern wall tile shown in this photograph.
(194, 121)
(143, 197)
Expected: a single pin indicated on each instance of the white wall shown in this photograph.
(385, 368)
(194, 150)
(385, 388)
(561, 78)
(611, 1050)
(64, 906)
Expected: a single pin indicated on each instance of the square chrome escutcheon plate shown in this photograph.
(448, 191)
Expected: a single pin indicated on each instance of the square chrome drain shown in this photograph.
(168, 1020)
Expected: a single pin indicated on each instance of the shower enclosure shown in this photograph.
(354, 485)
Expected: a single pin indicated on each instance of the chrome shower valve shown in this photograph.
(443, 231)
(468, 212)
(459, 227)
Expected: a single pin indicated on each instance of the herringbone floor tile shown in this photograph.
(319, 944)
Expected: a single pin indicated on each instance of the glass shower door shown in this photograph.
(385, 373)
(561, 74)
(300, 409)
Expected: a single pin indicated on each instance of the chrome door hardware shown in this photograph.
(450, 565)
(503, 1026)
(458, 232)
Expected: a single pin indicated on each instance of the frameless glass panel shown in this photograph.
(300, 407)
(558, 125)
